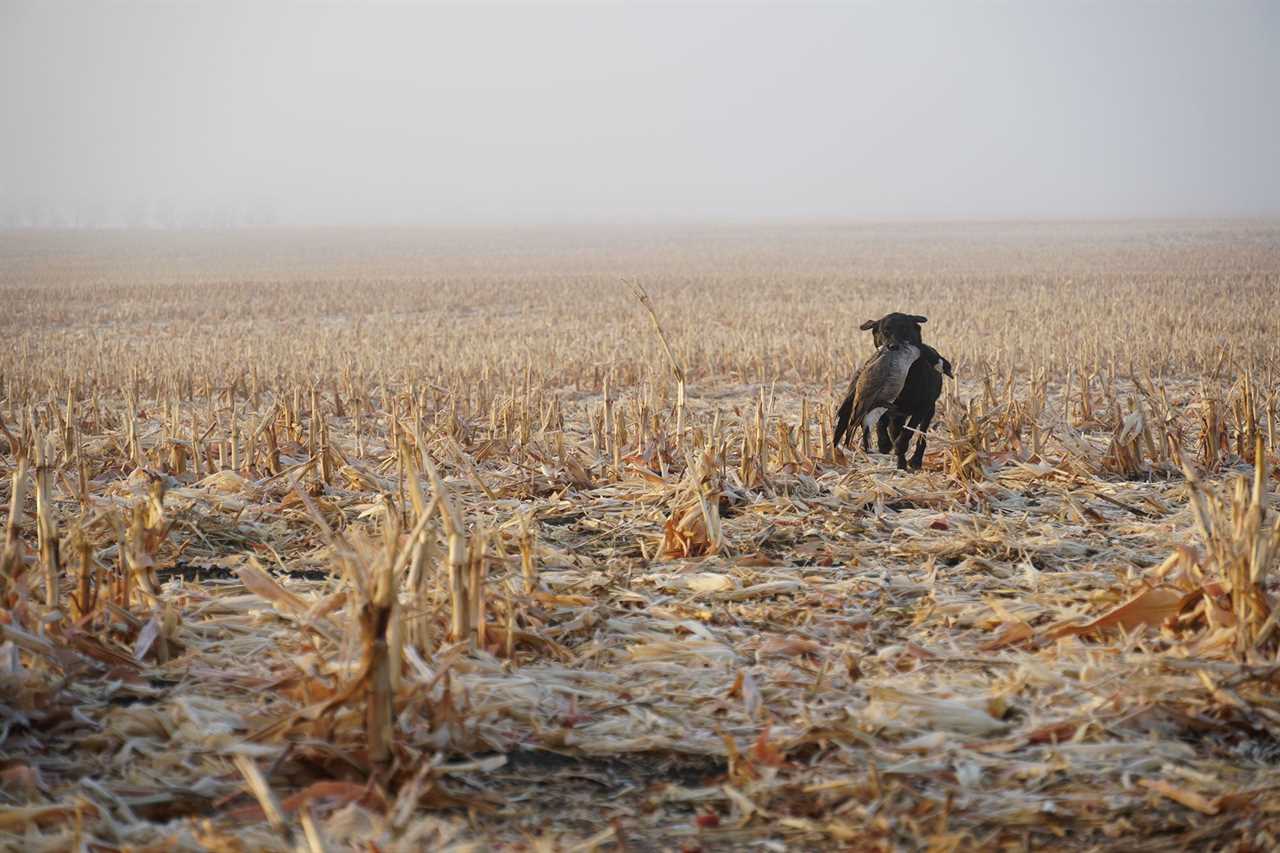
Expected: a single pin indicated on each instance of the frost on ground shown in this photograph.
(411, 541)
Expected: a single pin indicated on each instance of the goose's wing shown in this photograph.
(875, 382)
(846, 409)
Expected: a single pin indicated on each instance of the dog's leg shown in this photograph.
(886, 430)
(901, 440)
(922, 424)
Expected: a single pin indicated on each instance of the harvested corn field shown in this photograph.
(535, 539)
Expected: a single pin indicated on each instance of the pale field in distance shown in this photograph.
(405, 538)
(755, 304)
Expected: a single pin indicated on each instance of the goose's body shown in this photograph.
(874, 389)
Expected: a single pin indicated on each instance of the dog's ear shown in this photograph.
(869, 325)
(916, 318)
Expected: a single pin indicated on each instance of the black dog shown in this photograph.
(916, 405)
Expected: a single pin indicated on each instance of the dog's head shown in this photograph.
(895, 327)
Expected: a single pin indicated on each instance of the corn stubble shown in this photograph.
(312, 547)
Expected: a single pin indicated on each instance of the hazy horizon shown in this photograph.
(206, 114)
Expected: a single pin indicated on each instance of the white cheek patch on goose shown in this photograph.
(873, 416)
(938, 367)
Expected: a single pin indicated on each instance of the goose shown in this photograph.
(874, 389)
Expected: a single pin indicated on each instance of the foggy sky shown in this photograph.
(215, 113)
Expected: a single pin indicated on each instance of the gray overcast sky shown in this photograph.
(398, 113)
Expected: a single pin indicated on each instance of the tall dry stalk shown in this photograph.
(693, 528)
(11, 561)
(460, 592)
(46, 526)
(967, 442)
(1124, 454)
(677, 369)
(376, 623)
(528, 570)
(1244, 551)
